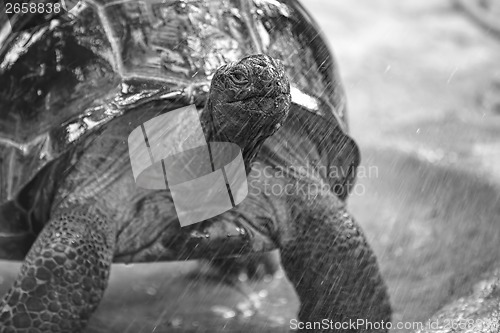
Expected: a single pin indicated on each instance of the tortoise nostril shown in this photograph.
(280, 101)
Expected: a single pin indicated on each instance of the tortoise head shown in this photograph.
(248, 101)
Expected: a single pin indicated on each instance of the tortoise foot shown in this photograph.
(63, 277)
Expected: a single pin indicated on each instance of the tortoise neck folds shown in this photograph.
(248, 139)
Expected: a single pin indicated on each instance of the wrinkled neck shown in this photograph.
(250, 143)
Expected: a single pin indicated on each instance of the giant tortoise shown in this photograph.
(74, 88)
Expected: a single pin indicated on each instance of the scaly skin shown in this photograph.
(323, 250)
(64, 275)
(97, 208)
(248, 97)
(335, 272)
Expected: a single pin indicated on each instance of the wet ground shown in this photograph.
(422, 82)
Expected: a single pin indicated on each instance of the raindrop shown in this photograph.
(175, 322)
(243, 277)
(279, 275)
(198, 234)
(224, 312)
(247, 313)
(452, 75)
(246, 309)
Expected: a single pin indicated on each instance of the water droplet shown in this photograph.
(247, 313)
(248, 309)
(279, 275)
(125, 88)
(198, 234)
(243, 277)
(53, 23)
(175, 322)
(224, 312)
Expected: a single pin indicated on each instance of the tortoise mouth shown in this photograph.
(275, 95)
(254, 116)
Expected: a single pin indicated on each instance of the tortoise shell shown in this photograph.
(64, 79)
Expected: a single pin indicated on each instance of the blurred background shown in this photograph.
(423, 85)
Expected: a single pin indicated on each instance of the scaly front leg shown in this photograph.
(335, 274)
(63, 277)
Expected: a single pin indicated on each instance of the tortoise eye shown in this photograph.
(239, 77)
